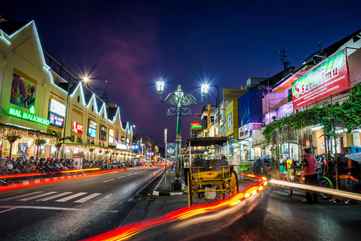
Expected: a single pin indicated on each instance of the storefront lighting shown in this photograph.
(316, 128)
(27, 116)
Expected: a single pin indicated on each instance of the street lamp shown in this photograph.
(179, 102)
(205, 88)
(86, 78)
(205, 91)
(160, 85)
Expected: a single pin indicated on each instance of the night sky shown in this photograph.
(130, 43)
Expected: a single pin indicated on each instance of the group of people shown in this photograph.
(310, 169)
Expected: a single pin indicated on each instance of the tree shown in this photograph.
(11, 139)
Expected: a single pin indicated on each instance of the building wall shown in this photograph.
(23, 55)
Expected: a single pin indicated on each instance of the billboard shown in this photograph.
(328, 78)
(22, 92)
(56, 113)
(171, 150)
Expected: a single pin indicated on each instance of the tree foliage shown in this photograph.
(346, 115)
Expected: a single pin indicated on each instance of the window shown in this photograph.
(78, 99)
(103, 133)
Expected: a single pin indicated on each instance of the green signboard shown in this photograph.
(27, 116)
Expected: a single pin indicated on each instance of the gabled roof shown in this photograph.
(59, 75)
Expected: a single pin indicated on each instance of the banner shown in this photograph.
(22, 92)
(326, 79)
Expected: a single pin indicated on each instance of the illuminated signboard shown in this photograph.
(77, 128)
(196, 125)
(56, 113)
(92, 128)
(328, 78)
(27, 116)
(56, 120)
(57, 107)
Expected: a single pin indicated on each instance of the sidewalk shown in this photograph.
(164, 186)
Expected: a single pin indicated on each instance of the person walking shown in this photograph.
(310, 174)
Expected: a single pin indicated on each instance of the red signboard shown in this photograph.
(326, 79)
(77, 128)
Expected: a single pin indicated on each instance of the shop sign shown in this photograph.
(57, 107)
(56, 120)
(196, 125)
(92, 128)
(27, 116)
(328, 78)
(56, 113)
(77, 128)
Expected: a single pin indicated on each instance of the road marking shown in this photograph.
(65, 199)
(7, 210)
(87, 198)
(37, 196)
(54, 196)
(109, 180)
(55, 208)
(20, 196)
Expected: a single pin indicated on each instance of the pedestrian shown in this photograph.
(309, 173)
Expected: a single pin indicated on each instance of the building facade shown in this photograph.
(46, 113)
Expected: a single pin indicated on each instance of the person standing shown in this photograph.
(309, 173)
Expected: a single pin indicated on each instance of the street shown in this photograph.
(278, 219)
(70, 210)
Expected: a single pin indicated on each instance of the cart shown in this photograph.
(209, 175)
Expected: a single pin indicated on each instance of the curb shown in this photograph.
(146, 185)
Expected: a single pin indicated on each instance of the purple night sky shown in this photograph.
(130, 43)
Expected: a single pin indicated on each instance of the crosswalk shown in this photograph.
(53, 196)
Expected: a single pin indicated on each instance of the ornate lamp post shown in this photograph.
(180, 103)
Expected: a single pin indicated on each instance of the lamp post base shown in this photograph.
(177, 185)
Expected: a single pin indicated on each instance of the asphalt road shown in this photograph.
(70, 210)
(279, 219)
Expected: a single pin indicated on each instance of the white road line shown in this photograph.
(54, 208)
(109, 180)
(7, 210)
(20, 196)
(54, 196)
(37, 196)
(65, 199)
(87, 198)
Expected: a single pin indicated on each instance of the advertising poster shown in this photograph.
(56, 113)
(22, 92)
(328, 78)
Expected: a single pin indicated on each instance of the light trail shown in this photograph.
(52, 180)
(130, 230)
(330, 191)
